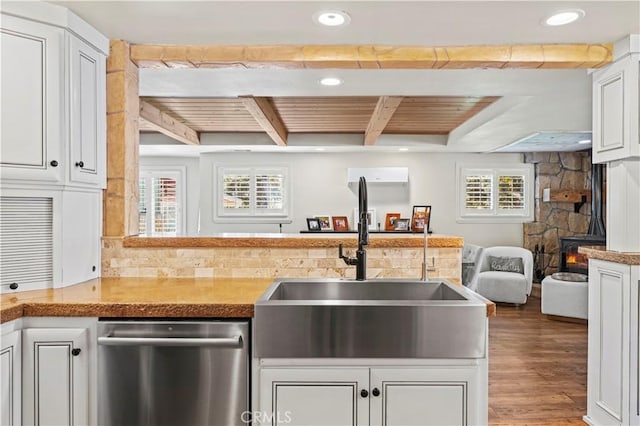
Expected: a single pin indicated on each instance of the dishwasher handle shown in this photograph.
(220, 342)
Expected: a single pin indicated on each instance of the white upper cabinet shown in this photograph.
(615, 106)
(87, 94)
(53, 97)
(32, 101)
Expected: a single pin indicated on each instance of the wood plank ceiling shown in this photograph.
(424, 115)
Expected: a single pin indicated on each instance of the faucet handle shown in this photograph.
(347, 260)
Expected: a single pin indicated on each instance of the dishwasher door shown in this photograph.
(173, 373)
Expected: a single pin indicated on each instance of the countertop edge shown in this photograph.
(140, 310)
(599, 253)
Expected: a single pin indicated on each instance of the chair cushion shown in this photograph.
(506, 264)
(501, 286)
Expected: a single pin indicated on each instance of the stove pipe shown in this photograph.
(596, 225)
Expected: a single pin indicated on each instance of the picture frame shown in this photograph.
(371, 219)
(390, 221)
(420, 218)
(340, 223)
(313, 224)
(325, 222)
(402, 224)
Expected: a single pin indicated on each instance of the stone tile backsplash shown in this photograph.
(119, 261)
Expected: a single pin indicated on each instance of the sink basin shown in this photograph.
(363, 290)
(317, 318)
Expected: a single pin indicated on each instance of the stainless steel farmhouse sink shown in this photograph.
(318, 318)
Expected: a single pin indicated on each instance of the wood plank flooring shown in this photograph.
(537, 368)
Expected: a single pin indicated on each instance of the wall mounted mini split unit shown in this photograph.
(378, 174)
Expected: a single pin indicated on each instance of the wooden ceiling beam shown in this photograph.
(266, 115)
(386, 106)
(164, 123)
(373, 57)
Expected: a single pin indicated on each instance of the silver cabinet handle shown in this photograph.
(234, 341)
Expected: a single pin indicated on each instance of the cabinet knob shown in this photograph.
(375, 392)
(53, 163)
(80, 164)
(364, 393)
(76, 351)
(93, 268)
(13, 286)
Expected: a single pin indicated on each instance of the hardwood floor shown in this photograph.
(537, 368)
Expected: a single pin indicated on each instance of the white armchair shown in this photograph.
(503, 285)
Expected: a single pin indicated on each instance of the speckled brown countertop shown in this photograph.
(145, 298)
(296, 241)
(601, 253)
(140, 297)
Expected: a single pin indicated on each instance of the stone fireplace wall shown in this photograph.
(553, 220)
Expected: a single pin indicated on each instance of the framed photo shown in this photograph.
(371, 219)
(340, 223)
(420, 218)
(390, 221)
(325, 222)
(402, 225)
(313, 224)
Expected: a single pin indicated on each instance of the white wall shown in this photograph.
(319, 187)
(191, 184)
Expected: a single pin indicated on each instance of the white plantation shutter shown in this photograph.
(26, 241)
(165, 205)
(478, 190)
(269, 191)
(237, 191)
(252, 192)
(142, 206)
(499, 194)
(160, 205)
(511, 192)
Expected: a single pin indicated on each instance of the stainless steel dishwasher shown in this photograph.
(173, 373)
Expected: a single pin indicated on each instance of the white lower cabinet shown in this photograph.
(58, 371)
(612, 382)
(10, 378)
(425, 396)
(314, 396)
(356, 395)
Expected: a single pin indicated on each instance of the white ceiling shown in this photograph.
(535, 101)
(430, 23)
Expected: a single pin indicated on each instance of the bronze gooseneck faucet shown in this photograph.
(360, 261)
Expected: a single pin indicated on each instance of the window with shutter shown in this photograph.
(160, 203)
(254, 194)
(26, 242)
(496, 194)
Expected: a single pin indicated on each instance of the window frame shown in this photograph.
(495, 214)
(251, 215)
(179, 173)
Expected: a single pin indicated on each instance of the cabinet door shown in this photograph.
(615, 111)
(56, 376)
(32, 100)
(634, 360)
(314, 396)
(87, 75)
(10, 378)
(427, 396)
(608, 363)
(81, 231)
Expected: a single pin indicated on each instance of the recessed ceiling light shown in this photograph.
(332, 18)
(584, 141)
(564, 17)
(319, 149)
(403, 149)
(331, 81)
